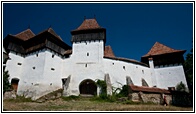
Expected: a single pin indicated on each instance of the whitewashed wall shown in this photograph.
(37, 78)
(88, 52)
(12, 66)
(82, 66)
(118, 74)
(170, 76)
(42, 72)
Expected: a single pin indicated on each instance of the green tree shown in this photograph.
(181, 87)
(188, 68)
(6, 84)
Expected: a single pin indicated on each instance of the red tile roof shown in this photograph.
(88, 24)
(148, 89)
(108, 52)
(159, 49)
(25, 35)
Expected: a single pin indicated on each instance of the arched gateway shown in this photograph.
(88, 86)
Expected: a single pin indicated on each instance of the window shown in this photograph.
(87, 54)
(53, 56)
(33, 67)
(52, 69)
(86, 65)
(143, 71)
(37, 55)
(19, 63)
(124, 67)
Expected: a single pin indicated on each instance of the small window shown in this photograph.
(19, 63)
(52, 69)
(124, 67)
(33, 67)
(53, 56)
(37, 55)
(86, 65)
(50, 83)
(113, 63)
(143, 71)
(87, 54)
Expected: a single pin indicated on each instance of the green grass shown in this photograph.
(77, 103)
(20, 99)
(72, 97)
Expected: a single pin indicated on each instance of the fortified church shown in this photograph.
(42, 63)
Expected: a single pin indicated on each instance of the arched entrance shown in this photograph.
(88, 86)
(14, 83)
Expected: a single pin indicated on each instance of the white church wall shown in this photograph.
(32, 73)
(170, 76)
(51, 79)
(82, 72)
(84, 63)
(118, 70)
(41, 74)
(89, 51)
(14, 65)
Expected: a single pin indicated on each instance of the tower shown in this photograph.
(88, 42)
(166, 65)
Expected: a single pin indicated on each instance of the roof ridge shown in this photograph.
(51, 31)
(25, 35)
(23, 32)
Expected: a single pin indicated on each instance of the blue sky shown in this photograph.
(131, 28)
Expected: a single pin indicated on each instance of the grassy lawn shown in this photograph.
(84, 104)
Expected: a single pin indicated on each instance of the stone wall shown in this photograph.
(156, 98)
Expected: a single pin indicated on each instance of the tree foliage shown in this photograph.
(6, 84)
(188, 67)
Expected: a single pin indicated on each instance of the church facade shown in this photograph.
(42, 63)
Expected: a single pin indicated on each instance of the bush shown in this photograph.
(102, 85)
(6, 84)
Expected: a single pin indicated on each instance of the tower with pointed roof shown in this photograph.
(165, 64)
(163, 55)
(88, 41)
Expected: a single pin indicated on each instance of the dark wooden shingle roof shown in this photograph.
(25, 35)
(51, 31)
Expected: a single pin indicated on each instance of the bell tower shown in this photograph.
(88, 42)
